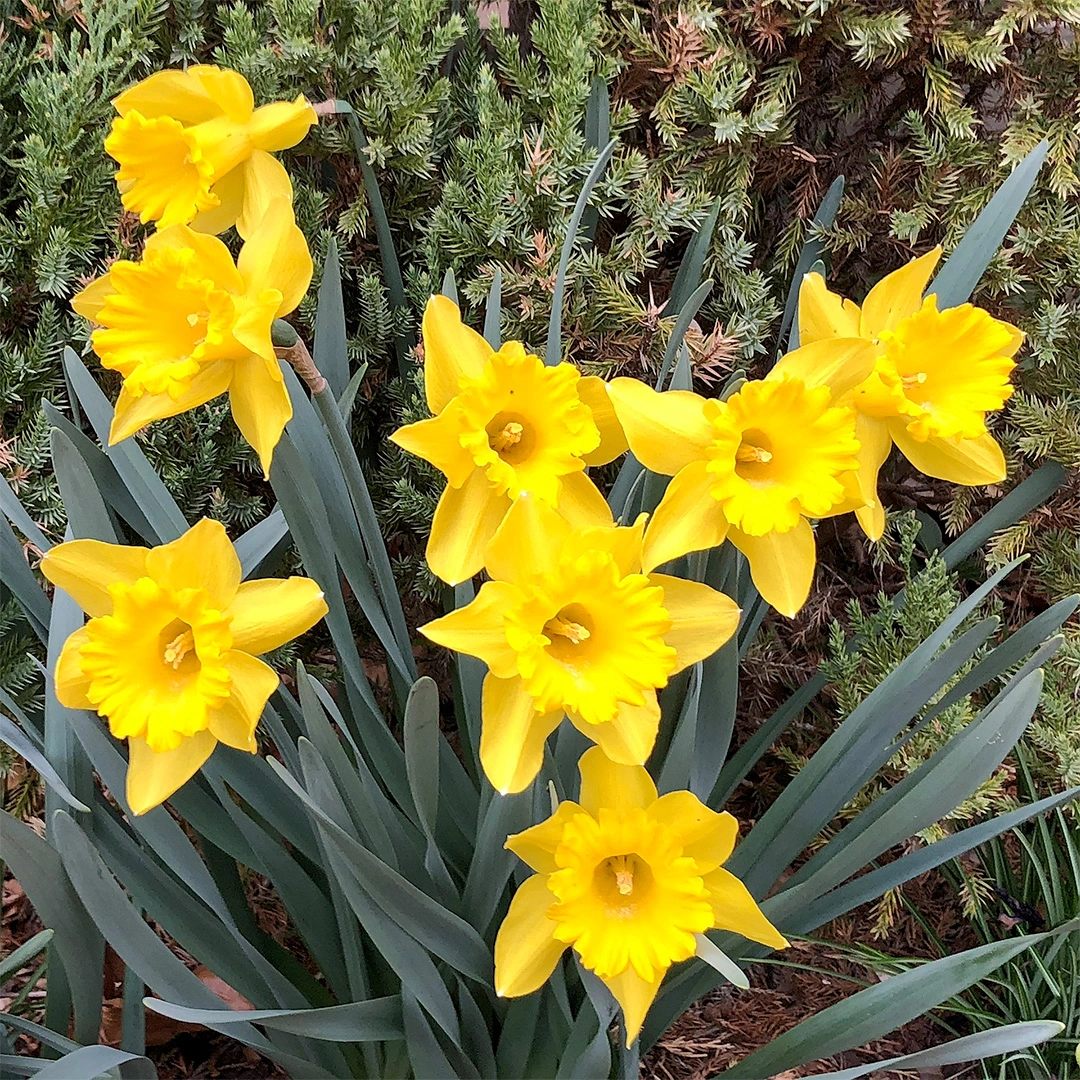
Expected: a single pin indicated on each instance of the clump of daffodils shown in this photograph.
(574, 620)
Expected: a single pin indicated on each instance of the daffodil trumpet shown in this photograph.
(186, 323)
(571, 625)
(504, 424)
(169, 655)
(936, 376)
(755, 468)
(193, 149)
(630, 881)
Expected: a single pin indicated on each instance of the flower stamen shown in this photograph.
(178, 648)
(561, 627)
(747, 453)
(510, 435)
(911, 381)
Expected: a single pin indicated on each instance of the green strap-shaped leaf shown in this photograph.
(427, 1054)
(24, 953)
(447, 935)
(983, 1044)
(89, 1062)
(492, 864)
(688, 277)
(812, 253)
(108, 481)
(356, 1021)
(802, 917)
(145, 485)
(687, 311)
(86, 512)
(449, 285)
(421, 730)
(140, 948)
(39, 870)
(331, 351)
(409, 961)
(15, 574)
(956, 280)
(493, 312)
(395, 287)
(932, 791)
(553, 352)
(16, 513)
(261, 541)
(16, 738)
(882, 1008)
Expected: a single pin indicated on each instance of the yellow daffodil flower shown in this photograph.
(629, 881)
(193, 149)
(754, 468)
(186, 323)
(504, 425)
(169, 654)
(570, 625)
(937, 374)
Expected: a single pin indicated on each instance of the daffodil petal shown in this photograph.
(513, 734)
(708, 837)
(824, 314)
(230, 191)
(526, 950)
(593, 391)
(267, 612)
(606, 783)
(228, 89)
(213, 258)
(282, 124)
(133, 412)
(897, 295)
(838, 363)
(253, 324)
(88, 302)
(465, 521)
(276, 256)
(735, 910)
(972, 462)
(152, 778)
(264, 181)
(536, 846)
(581, 503)
(85, 569)
(252, 683)
(260, 406)
(635, 996)
(451, 350)
(230, 724)
(202, 558)
(628, 738)
(687, 519)
(665, 431)
(178, 94)
(477, 629)
(875, 442)
(624, 542)
(781, 565)
(437, 441)
(527, 543)
(702, 619)
(71, 683)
